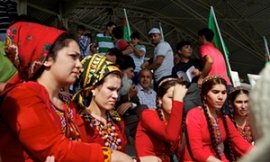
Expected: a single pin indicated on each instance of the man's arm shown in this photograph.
(157, 62)
(208, 61)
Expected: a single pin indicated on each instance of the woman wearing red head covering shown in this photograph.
(36, 120)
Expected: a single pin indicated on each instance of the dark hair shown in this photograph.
(164, 84)
(117, 32)
(115, 51)
(181, 44)
(135, 35)
(62, 41)
(207, 33)
(125, 61)
(109, 24)
(206, 87)
(232, 96)
(80, 27)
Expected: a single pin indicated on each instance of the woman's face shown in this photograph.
(166, 100)
(66, 66)
(216, 97)
(106, 94)
(240, 105)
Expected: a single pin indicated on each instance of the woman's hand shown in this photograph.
(118, 156)
(179, 92)
(50, 159)
(149, 159)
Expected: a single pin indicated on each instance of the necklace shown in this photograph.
(107, 132)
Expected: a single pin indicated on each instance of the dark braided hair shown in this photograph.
(164, 84)
(232, 96)
(207, 85)
(211, 131)
(228, 141)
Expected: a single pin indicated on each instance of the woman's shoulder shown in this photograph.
(195, 111)
(26, 89)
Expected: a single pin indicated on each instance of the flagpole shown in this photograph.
(161, 31)
(222, 43)
(128, 27)
(266, 47)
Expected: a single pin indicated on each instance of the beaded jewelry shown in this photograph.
(108, 132)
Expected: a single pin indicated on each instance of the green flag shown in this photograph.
(126, 27)
(218, 40)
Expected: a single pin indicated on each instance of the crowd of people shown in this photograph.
(68, 97)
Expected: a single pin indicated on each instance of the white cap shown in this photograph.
(154, 31)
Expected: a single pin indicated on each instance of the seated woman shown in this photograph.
(209, 130)
(37, 121)
(159, 130)
(100, 83)
(239, 102)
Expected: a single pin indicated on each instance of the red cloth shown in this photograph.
(121, 44)
(27, 46)
(219, 66)
(199, 137)
(93, 135)
(31, 129)
(153, 134)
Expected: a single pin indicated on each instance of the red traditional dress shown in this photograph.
(156, 137)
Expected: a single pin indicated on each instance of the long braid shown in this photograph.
(211, 131)
(159, 111)
(228, 139)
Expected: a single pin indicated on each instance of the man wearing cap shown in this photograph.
(163, 56)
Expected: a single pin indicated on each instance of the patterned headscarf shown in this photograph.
(27, 46)
(95, 68)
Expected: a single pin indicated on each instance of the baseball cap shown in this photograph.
(153, 31)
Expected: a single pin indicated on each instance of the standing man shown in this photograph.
(104, 40)
(163, 56)
(213, 60)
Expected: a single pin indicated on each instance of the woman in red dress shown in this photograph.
(159, 131)
(37, 120)
(99, 83)
(239, 102)
(209, 130)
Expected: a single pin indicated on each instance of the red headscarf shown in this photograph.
(27, 46)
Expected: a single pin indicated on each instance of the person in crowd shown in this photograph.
(38, 121)
(8, 10)
(100, 82)
(138, 54)
(113, 54)
(146, 94)
(83, 41)
(128, 105)
(239, 103)
(211, 135)
(159, 131)
(104, 40)
(120, 43)
(212, 58)
(188, 69)
(163, 60)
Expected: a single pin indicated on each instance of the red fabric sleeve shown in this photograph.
(31, 121)
(194, 120)
(169, 132)
(240, 145)
(122, 45)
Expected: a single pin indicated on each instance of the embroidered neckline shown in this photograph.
(69, 128)
(108, 133)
